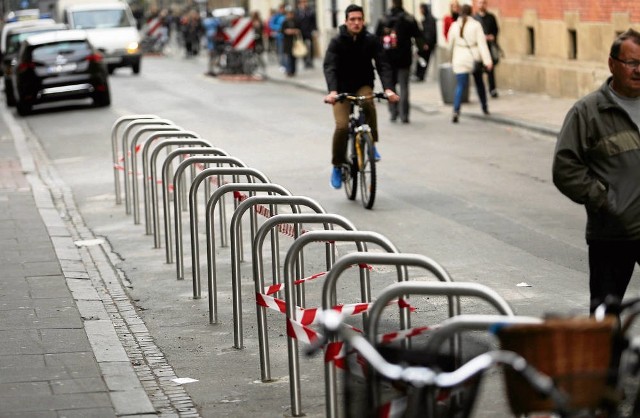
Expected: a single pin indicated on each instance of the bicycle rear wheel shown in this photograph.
(350, 172)
(367, 168)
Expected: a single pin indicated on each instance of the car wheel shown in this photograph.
(23, 108)
(102, 99)
(136, 67)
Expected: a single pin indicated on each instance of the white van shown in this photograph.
(111, 29)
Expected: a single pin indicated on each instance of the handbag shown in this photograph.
(478, 66)
(299, 49)
(496, 52)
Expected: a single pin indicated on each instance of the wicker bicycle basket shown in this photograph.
(574, 352)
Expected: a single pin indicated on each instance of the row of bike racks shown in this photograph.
(154, 138)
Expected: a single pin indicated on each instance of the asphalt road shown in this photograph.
(476, 198)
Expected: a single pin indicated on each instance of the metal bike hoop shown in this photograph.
(295, 202)
(147, 142)
(211, 255)
(166, 167)
(126, 158)
(114, 149)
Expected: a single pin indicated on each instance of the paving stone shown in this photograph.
(27, 403)
(88, 413)
(24, 389)
(81, 385)
(65, 340)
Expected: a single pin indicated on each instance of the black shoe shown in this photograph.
(455, 118)
(393, 118)
(486, 111)
(494, 94)
(405, 120)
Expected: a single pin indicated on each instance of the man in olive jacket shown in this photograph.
(597, 164)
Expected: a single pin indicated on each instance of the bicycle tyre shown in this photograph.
(350, 172)
(367, 168)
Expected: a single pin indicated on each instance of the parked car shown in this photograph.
(14, 39)
(59, 65)
(111, 28)
(20, 24)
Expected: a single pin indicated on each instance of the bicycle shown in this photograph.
(361, 161)
(420, 381)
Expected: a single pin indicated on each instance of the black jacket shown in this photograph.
(406, 29)
(348, 62)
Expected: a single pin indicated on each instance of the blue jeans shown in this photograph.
(462, 80)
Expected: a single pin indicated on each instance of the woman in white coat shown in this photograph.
(468, 45)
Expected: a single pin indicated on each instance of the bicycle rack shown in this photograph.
(166, 166)
(295, 202)
(359, 237)
(163, 135)
(114, 148)
(328, 220)
(211, 255)
(177, 208)
(162, 124)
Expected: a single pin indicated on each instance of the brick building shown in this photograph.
(559, 47)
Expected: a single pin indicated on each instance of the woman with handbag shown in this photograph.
(469, 55)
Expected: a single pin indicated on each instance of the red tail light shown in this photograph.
(24, 66)
(94, 58)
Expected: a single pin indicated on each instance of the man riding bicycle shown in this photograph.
(348, 68)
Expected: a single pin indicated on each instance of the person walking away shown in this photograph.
(398, 30)
(306, 18)
(348, 68)
(596, 164)
(430, 37)
(447, 21)
(275, 24)
(193, 33)
(290, 31)
(211, 25)
(468, 46)
(258, 34)
(490, 29)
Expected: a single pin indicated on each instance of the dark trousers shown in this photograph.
(611, 265)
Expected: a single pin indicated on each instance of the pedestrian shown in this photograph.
(430, 38)
(596, 164)
(211, 25)
(469, 55)
(348, 68)
(447, 21)
(290, 30)
(306, 19)
(275, 24)
(193, 32)
(258, 36)
(490, 29)
(398, 31)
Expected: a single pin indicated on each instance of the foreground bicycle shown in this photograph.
(361, 159)
(420, 381)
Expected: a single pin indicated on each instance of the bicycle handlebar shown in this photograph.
(341, 97)
(420, 376)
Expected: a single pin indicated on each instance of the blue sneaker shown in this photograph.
(376, 155)
(336, 178)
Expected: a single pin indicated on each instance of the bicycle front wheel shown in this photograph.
(367, 168)
(350, 172)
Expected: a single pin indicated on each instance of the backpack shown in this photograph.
(389, 35)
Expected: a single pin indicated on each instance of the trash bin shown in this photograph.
(448, 84)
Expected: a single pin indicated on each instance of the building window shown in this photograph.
(573, 44)
(531, 38)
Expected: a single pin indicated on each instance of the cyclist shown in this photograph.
(348, 67)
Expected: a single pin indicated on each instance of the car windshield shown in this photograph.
(15, 39)
(69, 49)
(98, 19)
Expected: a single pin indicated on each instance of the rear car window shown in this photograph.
(70, 49)
(100, 19)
